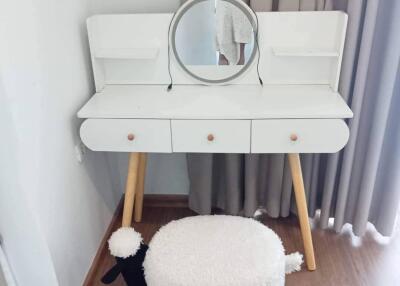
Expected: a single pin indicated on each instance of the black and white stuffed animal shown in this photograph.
(127, 246)
(202, 250)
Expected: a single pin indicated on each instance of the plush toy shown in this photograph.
(202, 250)
(127, 246)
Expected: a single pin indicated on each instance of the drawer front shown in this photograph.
(298, 136)
(211, 136)
(127, 135)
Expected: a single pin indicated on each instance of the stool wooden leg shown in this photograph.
(140, 187)
(295, 167)
(131, 182)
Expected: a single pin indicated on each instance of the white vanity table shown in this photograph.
(298, 110)
(240, 118)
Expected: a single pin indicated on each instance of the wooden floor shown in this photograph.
(341, 259)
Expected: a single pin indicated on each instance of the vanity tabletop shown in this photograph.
(216, 102)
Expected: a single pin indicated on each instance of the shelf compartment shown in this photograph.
(303, 52)
(132, 53)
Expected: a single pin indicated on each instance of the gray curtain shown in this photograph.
(359, 184)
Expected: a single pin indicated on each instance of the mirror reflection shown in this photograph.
(214, 39)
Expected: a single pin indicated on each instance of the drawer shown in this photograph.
(211, 136)
(127, 135)
(298, 135)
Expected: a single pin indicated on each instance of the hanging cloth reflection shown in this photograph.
(233, 28)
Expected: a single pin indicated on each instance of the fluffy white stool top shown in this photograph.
(217, 251)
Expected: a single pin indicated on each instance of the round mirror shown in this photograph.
(214, 40)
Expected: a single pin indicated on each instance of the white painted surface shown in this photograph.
(302, 31)
(166, 173)
(126, 34)
(6, 275)
(74, 201)
(309, 31)
(216, 102)
(53, 210)
(303, 52)
(133, 6)
(23, 239)
(322, 33)
(143, 53)
(229, 136)
(313, 136)
(112, 134)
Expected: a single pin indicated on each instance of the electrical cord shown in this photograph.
(258, 47)
(169, 88)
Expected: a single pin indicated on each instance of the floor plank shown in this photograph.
(342, 259)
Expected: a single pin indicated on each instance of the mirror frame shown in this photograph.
(174, 25)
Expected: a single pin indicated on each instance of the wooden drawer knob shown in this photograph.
(294, 137)
(210, 137)
(131, 137)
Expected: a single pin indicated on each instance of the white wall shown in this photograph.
(21, 234)
(23, 239)
(54, 210)
(76, 200)
(133, 6)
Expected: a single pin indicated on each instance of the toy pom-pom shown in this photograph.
(293, 262)
(124, 242)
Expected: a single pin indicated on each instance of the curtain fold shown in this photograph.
(356, 185)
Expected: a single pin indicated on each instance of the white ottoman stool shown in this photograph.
(217, 251)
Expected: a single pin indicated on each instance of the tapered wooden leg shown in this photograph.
(295, 167)
(131, 182)
(140, 187)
